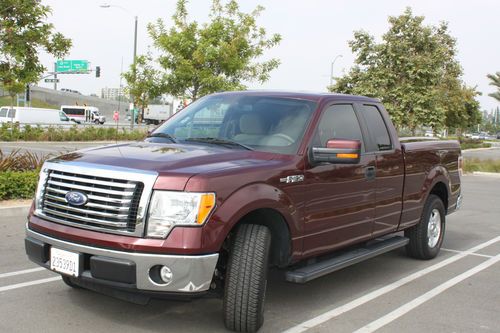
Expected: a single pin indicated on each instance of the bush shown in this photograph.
(13, 132)
(18, 184)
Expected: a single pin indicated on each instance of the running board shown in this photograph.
(318, 269)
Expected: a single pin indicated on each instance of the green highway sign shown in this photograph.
(72, 66)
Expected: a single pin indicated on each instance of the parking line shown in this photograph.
(25, 271)
(29, 283)
(390, 317)
(304, 326)
(470, 253)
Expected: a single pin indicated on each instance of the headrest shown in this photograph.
(252, 123)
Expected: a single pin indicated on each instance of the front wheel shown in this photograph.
(246, 278)
(427, 236)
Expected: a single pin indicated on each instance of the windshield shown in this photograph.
(261, 123)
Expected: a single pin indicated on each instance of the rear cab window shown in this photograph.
(377, 128)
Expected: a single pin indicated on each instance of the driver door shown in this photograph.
(340, 208)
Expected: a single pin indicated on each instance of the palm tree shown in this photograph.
(495, 81)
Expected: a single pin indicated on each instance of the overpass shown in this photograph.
(58, 98)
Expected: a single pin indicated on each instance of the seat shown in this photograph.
(252, 129)
(288, 130)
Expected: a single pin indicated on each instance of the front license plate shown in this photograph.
(64, 261)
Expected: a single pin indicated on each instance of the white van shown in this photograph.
(83, 114)
(33, 116)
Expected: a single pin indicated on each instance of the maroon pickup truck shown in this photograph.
(234, 184)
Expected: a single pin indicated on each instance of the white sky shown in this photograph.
(313, 32)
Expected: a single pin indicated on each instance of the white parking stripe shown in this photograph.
(472, 254)
(29, 283)
(304, 326)
(25, 271)
(390, 317)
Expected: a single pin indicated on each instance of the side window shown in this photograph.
(376, 127)
(3, 112)
(11, 113)
(339, 122)
(62, 116)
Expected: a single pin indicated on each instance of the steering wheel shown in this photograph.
(285, 137)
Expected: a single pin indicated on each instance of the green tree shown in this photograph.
(413, 70)
(23, 35)
(214, 56)
(495, 81)
(143, 82)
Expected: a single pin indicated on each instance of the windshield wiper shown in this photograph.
(217, 141)
(162, 135)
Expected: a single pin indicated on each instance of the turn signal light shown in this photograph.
(347, 155)
(207, 203)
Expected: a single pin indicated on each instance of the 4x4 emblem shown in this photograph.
(292, 179)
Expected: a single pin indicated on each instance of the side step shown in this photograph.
(318, 269)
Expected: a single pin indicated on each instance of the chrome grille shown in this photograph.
(114, 205)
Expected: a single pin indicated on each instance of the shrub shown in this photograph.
(475, 164)
(18, 184)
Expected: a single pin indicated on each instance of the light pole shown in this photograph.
(331, 68)
(132, 118)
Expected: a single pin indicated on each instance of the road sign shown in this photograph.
(51, 80)
(72, 66)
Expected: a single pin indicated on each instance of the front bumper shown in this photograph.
(192, 274)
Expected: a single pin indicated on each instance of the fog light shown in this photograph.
(166, 274)
(161, 275)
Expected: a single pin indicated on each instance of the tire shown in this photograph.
(96, 121)
(427, 236)
(246, 279)
(69, 283)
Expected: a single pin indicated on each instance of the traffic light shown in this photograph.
(27, 93)
(98, 71)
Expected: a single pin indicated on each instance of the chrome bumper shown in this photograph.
(191, 274)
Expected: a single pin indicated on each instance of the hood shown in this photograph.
(169, 159)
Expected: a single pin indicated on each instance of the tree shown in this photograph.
(143, 82)
(23, 35)
(214, 56)
(495, 81)
(413, 71)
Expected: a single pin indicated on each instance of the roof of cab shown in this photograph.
(314, 96)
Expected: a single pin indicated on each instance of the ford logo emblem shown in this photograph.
(75, 198)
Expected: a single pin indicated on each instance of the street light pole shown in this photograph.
(331, 68)
(132, 118)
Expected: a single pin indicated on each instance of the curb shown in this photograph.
(14, 211)
(479, 149)
(490, 174)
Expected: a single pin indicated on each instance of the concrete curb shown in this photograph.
(490, 174)
(479, 149)
(14, 211)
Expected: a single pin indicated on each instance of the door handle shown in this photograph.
(370, 172)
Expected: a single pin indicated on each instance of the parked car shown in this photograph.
(33, 116)
(237, 182)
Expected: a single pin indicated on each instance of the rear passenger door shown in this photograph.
(339, 210)
(389, 174)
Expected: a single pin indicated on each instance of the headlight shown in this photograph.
(168, 209)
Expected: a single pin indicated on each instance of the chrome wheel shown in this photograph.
(434, 228)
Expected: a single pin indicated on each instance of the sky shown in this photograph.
(314, 32)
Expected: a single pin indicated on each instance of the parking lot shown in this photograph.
(459, 291)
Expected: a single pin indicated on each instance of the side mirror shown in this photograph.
(340, 151)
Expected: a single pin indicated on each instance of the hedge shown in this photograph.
(18, 184)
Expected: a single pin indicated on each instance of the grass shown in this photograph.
(5, 101)
(475, 164)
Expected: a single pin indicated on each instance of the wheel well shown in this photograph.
(280, 234)
(442, 192)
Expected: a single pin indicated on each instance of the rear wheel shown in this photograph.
(427, 236)
(246, 278)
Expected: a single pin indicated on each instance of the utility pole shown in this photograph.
(134, 72)
(55, 76)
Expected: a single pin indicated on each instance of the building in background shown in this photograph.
(112, 93)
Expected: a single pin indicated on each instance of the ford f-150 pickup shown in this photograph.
(236, 183)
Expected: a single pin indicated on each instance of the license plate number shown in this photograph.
(64, 261)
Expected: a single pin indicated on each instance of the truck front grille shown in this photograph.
(112, 203)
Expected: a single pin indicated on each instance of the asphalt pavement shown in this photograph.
(459, 291)
(483, 154)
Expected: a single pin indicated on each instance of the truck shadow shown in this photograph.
(286, 305)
